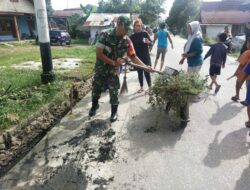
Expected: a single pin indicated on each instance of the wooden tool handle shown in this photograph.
(144, 68)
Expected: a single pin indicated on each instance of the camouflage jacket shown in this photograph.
(113, 47)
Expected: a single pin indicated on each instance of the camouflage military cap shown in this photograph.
(124, 20)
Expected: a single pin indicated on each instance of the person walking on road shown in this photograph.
(247, 74)
(193, 48)
(244, 59)
(141, 41)
(218, 53)
(162, 47)
(228, 41)
(111, 46)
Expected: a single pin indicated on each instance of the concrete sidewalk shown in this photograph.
(211, 153)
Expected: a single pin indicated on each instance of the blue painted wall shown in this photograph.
(23, 25)
(7, 38)
(23, 28)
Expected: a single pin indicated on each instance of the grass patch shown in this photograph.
(84, 52)
(22, 52)
(21, 91)
(81, 41)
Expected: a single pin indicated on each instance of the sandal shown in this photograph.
(247, 124)
(244, 103)
(235, 98)
(140, 91)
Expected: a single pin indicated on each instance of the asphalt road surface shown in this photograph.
(212, 153)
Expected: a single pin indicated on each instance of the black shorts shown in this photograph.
(214, 70)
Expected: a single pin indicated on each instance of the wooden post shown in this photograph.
(16, 29)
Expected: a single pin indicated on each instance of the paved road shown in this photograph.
(212, 153)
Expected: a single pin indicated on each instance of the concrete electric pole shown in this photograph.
(131, 11)
(44, 41)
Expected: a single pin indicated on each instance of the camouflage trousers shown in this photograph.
(105, 72)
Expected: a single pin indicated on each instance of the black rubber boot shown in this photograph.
(184, 114)
(168, 107)
(114, 115)
(94, 107)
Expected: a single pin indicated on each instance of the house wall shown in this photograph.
(23, 25)
(237, 29)
(7, 38)
(21, 6)
(93, 31)
(213, 30)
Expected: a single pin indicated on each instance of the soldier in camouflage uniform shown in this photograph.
(112, 45)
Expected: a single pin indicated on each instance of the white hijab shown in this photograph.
(196, 32)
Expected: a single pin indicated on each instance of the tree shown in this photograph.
(50, 9)
(74, 21)
(182, 12)
(148, 9)
(113, 6)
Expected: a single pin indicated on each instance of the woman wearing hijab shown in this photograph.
(193, 48)
(141, 41)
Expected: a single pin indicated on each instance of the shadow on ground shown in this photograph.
(151, 130)
(243, 182)
(226, 112)
(232, 146)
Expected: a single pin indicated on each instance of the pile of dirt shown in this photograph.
(17, 141)
(81, 159)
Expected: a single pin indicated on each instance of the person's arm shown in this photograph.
(155, 37)
(100, 45)
(209, 53)
(170, 40)
(101, 56)
(224, 59)
(196, 48)
(243, 60)
(148, 41)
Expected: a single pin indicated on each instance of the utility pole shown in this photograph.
(131, 10)
(44, 41)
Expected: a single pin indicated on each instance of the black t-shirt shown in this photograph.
(141, 48)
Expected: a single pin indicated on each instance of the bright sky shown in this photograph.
(64, 4)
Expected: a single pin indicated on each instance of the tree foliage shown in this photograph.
(148, 9)
(182, 12)
(74, 21)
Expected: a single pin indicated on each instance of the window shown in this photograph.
(5, 27)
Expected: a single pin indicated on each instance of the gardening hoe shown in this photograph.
(124, 88)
